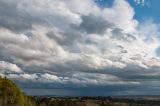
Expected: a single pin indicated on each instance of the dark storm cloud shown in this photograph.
(13, 19)
(70, 36)
(94, 24)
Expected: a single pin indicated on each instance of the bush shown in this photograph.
(11, 95)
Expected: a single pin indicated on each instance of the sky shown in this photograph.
(81, 47)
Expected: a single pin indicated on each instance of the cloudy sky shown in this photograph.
(81, 47)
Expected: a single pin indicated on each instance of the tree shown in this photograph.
(11, 95)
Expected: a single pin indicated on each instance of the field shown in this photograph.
(100, 101)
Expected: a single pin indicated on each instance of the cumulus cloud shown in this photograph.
(92, 24)
(76, 43)
(141, 2)
(79, 79)
(9, 67)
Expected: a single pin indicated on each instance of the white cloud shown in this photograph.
(79, 79)
(141, 2)
(9, 67)
(121, 14)
(49, 77)
(116, 47)
(66, 37)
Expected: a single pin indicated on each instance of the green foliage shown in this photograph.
(11, 95)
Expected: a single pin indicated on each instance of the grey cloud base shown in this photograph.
(73, 47)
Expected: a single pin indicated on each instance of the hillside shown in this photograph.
(11, 95)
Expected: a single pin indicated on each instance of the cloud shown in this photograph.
(92, 24)
(141, 2)
(121, 14)
(74, 43)
(9, 67)
(79, 79)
